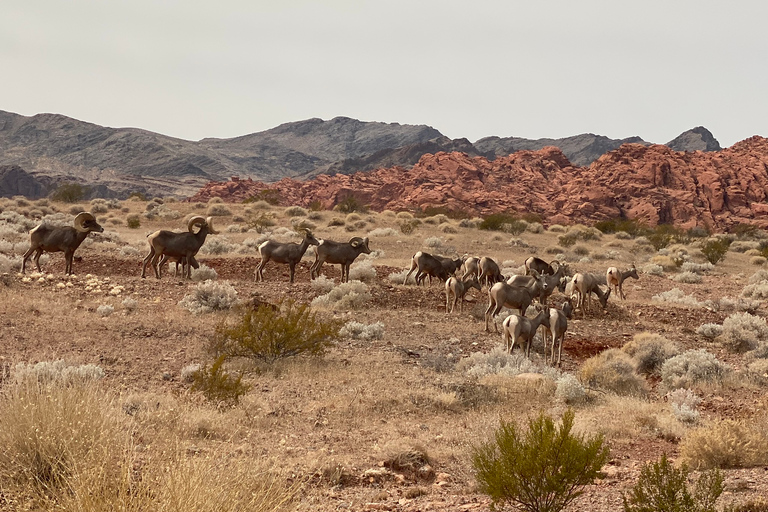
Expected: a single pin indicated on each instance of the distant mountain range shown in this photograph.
(54, 149)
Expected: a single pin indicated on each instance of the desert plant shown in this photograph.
(715, 249)
(691, 368)
(407, 227)
(540, 470)
(268, 195)
(268, 334)
(133, 221)
(69, 193)
(217, 385)
(497, 221)
(687, 277)
(362, 271)
(360, 331)
(676, 295)
(210, 296)
(710, 331)
(649, 352)
(663, 488)
(346, 296)
(570, 390)
(743, 332)
(725, 444)
(204, 273)
(613, 370)
(351, 204)
(105, 310)
(683, 403)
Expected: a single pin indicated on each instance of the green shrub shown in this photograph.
(271, 196)
(261, 222)
(407, 227)
(69, 193)
(541, 470)
(217, 385)
(268, 334)
(133, 221)
(496, 222)
(664, 234)
(715, 249)
(630, 226)
(663, 488)
(351, 204)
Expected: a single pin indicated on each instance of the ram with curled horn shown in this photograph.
(181, 246)
(290, 253)
(66, 239)
(339, 253)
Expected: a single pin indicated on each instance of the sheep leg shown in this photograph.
(318, 265)
(154, 263)
(292, 267)
(26, 257)
(69, 255)
(260, 269)
(146, 262)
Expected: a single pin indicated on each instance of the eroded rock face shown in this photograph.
(651, 183)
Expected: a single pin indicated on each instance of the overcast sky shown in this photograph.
(225, 68)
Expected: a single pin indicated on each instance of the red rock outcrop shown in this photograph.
(653, 184)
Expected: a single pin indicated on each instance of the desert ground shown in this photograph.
(386, 423)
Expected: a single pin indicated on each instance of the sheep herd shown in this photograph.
(517, 292)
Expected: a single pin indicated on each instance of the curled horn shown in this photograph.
(197, 220)
(356, 240)
(81, 219)
(212, 231)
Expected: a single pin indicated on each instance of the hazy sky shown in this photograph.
(470, 69)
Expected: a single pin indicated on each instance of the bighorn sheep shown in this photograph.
(458, 288)
(504, 295)
(518, 327)
(341, 253)
(614, 277)
(540, 266)
(451, 265)
(583, 286)
(556, 327)
(490, 271)
(179, 261)
(290, 253)
(177, 245)
(471, 267)
(536, 283)
(427, 265)
(67, 239)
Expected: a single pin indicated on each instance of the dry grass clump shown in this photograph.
(683, 403)
(383, 232)
(360, 331)
(677, 296)
(496, 362)
(687, 277)
(691, 368)
(666, 262)
(569, 390)
(726, 444)
(743, 332)
(698, 268)
(210, 296)
(613, 370)
(556, 228)
(757, 260)
(346, 296)
(649, 352)
(627, 417)
(295, 211)
(56, 373)
(447, 228)
(218, 210)
(335, 221)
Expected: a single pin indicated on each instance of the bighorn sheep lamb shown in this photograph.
(66, 239)
(556, 327)
(178, 245)
(341, 253)
(517, 327)
(490, 271)
(586, 284)
(178, 261)
(290, 253)
(471, 267)
(502, 295)
(614, 277)
(540, 266)
(427, 265)
(458, 288)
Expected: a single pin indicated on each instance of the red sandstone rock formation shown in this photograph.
(653, 184)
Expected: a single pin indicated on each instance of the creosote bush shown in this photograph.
(663, 488)
(268, 334)
(217, 385)
(715, 249)
(542, 469)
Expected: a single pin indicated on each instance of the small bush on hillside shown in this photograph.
(69, 193)
(217, 245)
(218, 210)
(217, 385)
(569, 390)
(204, 273)
(698, 268)
(346, 296)
(630, 227)
(268, 334)
(649, 352)
(265, 198)
(133, 221)
(383, 232)
(57, 373)
(687, 277)
(322, 284)
(496, 222)
(295, 211)
(757, 260)
(496, 362)
(361, 331)
(677, 296)
(726, 444)
(542, 469)
(362, 271)
(683, 403)
(105, 310)
(743, 332)
(691, 368)
(399, 277)
(351, 204)
(710, 331)
(407, 227)
(210, 296)
(715, 249)
(613, 370)
(663, 488)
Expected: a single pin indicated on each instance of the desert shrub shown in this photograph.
(535, 227)
(217, 245)
(133, 221)
(710, 331)
(758, 505)
(666, 262)
(729, 304)
(335, 221)
(265, 198)
(433, 242)
(725, 444)
(346, 296)
(698, 268)
(691, 368)
(105, 310)
(677, 296)
(271, 333)
(630, 227)
(399, 277)
(687, 277)
(715, 249)
(683, 403)
(130, 304)
(542, 469)
(577, 233)
(613, 370)
(69, 193)
(322, 284)
(217, 385)
(470, 223)
(663, 235)
(556, 228)
(295, 211)
(218, 210)
(188, 372)
(407, 227)
(204, 273)
(351, 204)
(757, 260)
(362, 271)
(210, 296)
(57, 373)
(570, 390)
(649, 352)
(743, 245)
(99, 206)
(447, 228)
(663, 488)
(383, 232)
(756, 290)
(581, 250)
(361, 331)
(742, 331)
(496, 222)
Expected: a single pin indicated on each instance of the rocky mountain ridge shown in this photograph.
(55, 149)
(651, 183)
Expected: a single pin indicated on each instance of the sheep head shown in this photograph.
(201, 222)
(356, 242)
(85, 222)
